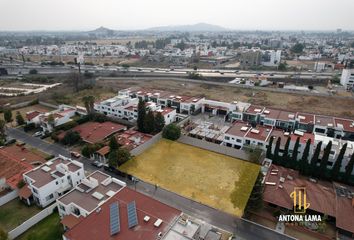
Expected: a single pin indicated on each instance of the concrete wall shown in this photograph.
(32, 221)
(232, 152)
(48, 105)
(140, 149)
(8, 197)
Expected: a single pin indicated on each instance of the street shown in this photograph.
(242, 228)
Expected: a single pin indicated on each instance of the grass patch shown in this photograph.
(48, 228)
(15, 212)
(202, 175)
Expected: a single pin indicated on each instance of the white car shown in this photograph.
(37, 134)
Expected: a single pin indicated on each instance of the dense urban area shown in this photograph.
(176, 133)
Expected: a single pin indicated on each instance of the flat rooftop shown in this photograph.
(86, 197)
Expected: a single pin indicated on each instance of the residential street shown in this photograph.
(242, 228)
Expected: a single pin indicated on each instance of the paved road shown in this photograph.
(242, 228)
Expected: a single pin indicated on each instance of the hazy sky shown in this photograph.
(139, 14)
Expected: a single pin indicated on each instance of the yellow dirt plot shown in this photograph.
(202, 175)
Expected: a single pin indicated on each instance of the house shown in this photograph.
(234, 136)
(126, 215)
(217, 108)
(33, 117)
(305, 122)
(326, 198)
(253, 114)
(169, 114)
(95, 132)
(48, 121)
(269, 117)
(286, 120)
(52, 179)
(347, 78)
(88, 195)
(257, 137)
(344, 128)
(324, 125)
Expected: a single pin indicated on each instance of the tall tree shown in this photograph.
(255, 201)
(141, 115)
(285, 159)
(159, 122)
(349, 169)
(338, 164)
(113, 159)
(89, 102)
(2, 129)
(304, 162)
(123, 155)
(19, 119)
(113, 144)
(324, 160)
(294, 163)
(276, 157)
(149, 122)
(269, 148)
(314, 159)
(8, 115)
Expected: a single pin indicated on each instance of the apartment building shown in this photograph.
(88, 195)
(234, 136)
(347, 78)
(257, 137)
(52, 179)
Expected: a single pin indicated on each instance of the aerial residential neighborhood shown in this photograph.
(177, 120)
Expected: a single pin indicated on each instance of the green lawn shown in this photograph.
(47, 229)
(202, 175)
(15, 212)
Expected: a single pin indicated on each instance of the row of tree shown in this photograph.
(314, 165)
(147, 121)
(8, 117)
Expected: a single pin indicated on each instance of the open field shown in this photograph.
(294, 102)
(15, 212)
(204, 176)
(48, 228)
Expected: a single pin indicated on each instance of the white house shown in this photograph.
(347, 78)
(60, 116)
(92, 192)
(49, 181)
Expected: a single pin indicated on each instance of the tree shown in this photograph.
(314, 159)
(255, 201)
(298, 48)
(8, 115)
(33, 71)
(19, 119)
(338, 164)
(113, 144)
(2, 130)
(293, 163)
(123, 155)
(75, 79)
(113, 159)
(171, 131)
(141, 115)
(324, 160)
(304, 162)
(149, 122)
(349, 169)
(285, 158)
(269, 148)
(71, 137)
(89, 102)
(282, 66)
(276, 157)
(159, 122)
(51, 120)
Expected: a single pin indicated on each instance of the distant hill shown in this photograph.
(199, 27)
(102, 31)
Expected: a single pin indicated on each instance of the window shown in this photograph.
(238, 140)
(35, 190)
(227, 138)
(260, 144)
(56, 182)
(49, 197)
(78, 173)
(61, 207)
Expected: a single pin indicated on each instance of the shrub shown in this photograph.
(171, 131)
(29, 127)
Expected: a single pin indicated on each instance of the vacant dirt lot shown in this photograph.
(295, 102)
(195, 173)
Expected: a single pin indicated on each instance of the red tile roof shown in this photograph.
(12, 169)
(321, 195)
(146, 206)
(21, 153)
(348, 124)
(94, 132)
(271, 113)
(32, 114)
(131, 139)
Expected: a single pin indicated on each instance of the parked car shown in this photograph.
(75, 154)
(37, 134)
(97, 164)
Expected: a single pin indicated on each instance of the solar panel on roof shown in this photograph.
(114, 218)
(132, 215)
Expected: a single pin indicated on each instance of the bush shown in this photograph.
(89, 149)
(33, 71)
(71, 137)
(171, 131)
(49, 157)
(66, 126)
